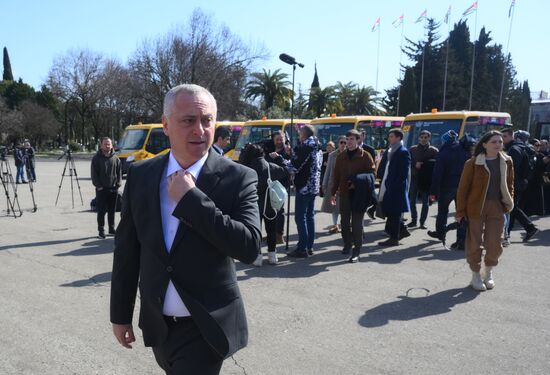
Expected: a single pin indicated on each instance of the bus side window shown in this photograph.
(158, 141)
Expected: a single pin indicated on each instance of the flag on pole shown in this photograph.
(448, 15)
(376, 24)
(398, 21)
(470, 10)
(422, 16)
(511, 8)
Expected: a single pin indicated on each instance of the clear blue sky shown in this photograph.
(335, 34)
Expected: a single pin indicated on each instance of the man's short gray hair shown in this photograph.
(191, 89)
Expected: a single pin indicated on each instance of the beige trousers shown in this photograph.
(486, 230)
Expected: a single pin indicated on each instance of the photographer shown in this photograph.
(106, 172)
(29, 152)
(19, 156)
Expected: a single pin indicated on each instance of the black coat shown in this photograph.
(260, 166)
(218, 222)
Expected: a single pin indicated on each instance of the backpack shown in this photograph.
(529, 161)
(276, 193)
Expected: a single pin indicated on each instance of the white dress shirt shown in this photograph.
(173, 305)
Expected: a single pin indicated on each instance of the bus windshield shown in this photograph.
(376, 132)
(436, 127)
(255, 134)
(133, 139)
(330, 132)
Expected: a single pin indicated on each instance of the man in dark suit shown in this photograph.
(185, 216)
(394, 187)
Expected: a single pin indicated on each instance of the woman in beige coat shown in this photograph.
(328, 183)
(485, 194)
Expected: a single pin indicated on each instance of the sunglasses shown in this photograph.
(342, 142)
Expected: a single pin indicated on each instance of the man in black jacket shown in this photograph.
(421, 154)
(185, 216)
(516, 150)
(106, 172)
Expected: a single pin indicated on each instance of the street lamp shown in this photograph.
(290, 61)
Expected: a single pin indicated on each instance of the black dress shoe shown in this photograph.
(437, 236)
(112, 230)
(404, 233)
(389, 242)
(298, 254)
(412, 224)
(354, 256)
(423, 226)
(310, 252)
(457, 246)
(530, 234)
(101, 234)
(346, 250)
(371, 212)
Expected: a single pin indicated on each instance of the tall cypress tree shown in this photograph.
(7, 76)
(315, 82)
(409, 93)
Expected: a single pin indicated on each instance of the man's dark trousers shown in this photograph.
(175, 361)
(517, 213)
(353, 232)
(413, 194)
(446, 196)
(106, 203)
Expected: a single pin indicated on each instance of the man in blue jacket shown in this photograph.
(449, 164)
(394, 187)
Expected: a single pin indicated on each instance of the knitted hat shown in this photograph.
(450, 136)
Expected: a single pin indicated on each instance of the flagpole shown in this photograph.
(473, 64)
(378, 57)
(446, 61)
(507, 59)
(422, 77)
(400, 57)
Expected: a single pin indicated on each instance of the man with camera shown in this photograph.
(20, 157)
(106, 176)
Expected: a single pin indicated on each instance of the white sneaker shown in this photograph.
(477, 283)
(488, 278)
(259, 260)
(272, 257)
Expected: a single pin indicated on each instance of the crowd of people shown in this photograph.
(493, 181)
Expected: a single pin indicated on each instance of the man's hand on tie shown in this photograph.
(179, 183)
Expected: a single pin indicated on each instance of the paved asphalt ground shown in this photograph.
(405, 310)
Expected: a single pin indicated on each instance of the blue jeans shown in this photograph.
(20, 177)
(305, 223)
(446, 196)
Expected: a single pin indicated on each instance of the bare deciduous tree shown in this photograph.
(200, 53)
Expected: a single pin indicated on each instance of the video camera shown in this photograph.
(3, 153)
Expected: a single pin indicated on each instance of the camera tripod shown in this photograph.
(72, 172)
(7, 182)
(31, 183)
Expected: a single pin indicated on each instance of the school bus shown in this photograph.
(473, 123)
(376, 128)
(235, 128)
(256, 131)
(140, 142)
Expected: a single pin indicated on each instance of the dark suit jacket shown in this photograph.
(219, 221)
(396, 198)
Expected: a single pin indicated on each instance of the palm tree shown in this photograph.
(273, 88)
(366, 101)
(346, 95)
(324, 101)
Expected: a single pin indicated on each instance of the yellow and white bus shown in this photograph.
(473, 123)
(376, 128)
(235, 128)
(256, 131)
(140, 142)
